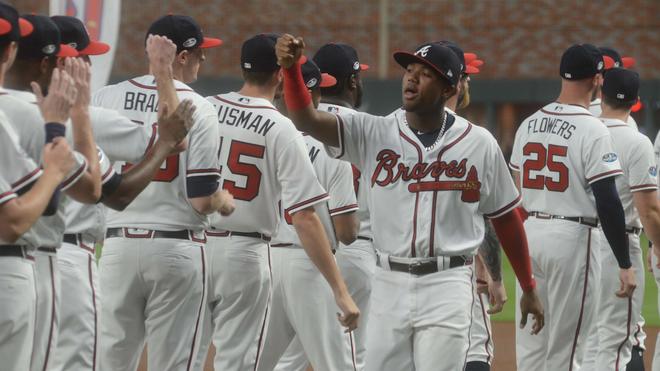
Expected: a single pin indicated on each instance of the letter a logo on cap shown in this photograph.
(423, 50)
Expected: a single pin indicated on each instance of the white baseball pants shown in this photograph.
(153, 290)
(294, 358)
(17, 312)
(565, 263)
(610, 343)
(303, 305)
(47, 283)
(420, 323)
(237, 306)
(481, 337)
(78, 312)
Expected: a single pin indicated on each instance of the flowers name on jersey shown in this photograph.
(426, 177)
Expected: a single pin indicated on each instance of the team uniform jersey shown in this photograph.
(337, 178)
(25, 118)
(596, 110)
(18, 170)
(553, 140)
(360, 183)
(427, 201)
(164, 203)
(638, 163)
(264, 160)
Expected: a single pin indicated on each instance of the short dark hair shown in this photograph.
(257, 77)
(338, 88)
(617, 105)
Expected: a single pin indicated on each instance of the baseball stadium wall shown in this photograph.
(521, 42)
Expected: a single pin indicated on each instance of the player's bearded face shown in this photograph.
(423, 89)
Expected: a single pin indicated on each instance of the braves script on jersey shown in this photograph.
(562, 149)
(265, 160)
(164, 203)
(427, 202)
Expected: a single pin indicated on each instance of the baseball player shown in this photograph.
(612, 59)
(42, 48)
(152, 270)
(121, 140)
(264, 160)
(312, 320)
(427, 168)
(564, 163)
(654, 262)
(638, 191)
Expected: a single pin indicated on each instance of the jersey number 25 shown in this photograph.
(545, 158)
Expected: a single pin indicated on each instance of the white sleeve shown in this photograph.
(77, 172)
(120, 138)
(642, 169)
(599, 159)
(498, 193)
(18, 169)
(204, 143)
(105, 167)
(340, 187)
(352, 133)
(300, 186)
(6, 193)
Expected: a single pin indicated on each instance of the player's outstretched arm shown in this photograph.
(511, 233)
(315, 242)
(172, 128)
(346, 226)
(320, 125)
(646, 203)
(613, 220)
(19, 214)
(161, 52)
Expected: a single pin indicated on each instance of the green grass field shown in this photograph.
(650, 309)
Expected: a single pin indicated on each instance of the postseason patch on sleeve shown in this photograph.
(610, 157)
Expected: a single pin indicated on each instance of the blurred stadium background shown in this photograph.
(521, 42)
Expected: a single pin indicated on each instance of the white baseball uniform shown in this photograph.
(596, 110)
(559, 152)
(656, 271)
(152, 271)
(17, 286)
(611, 341)
(427, 206)
(310, 318)
(121, 140)
(264, 159)
(25, 117)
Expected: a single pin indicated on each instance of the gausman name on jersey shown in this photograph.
(551, 125)
(233, 116)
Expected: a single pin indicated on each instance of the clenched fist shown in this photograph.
(288, 50)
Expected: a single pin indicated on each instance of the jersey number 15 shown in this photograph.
(545, 158)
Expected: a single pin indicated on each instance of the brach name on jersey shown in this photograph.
(135, 101)
(557, 126)
(247, 120)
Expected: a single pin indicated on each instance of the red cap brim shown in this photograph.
(470, 69)
(5, 27)
(210, 42)
(609, 62)
(628, 62)
(327, 80)
(364, 67)
(477, 63)
(95, 48)
(637, 106)
(469, 57)
(25, 26)
(67, 51)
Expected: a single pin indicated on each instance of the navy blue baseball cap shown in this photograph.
(12, 27)
(75, 35)
(312, 75)
(184, 32)
(339, 60)
(621, 85)
(258, 53)
(437, 56)
(44, 41)
(581, 61)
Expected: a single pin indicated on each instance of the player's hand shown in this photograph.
(496, 296)
(161, 52)
(58, 157)
(531, 304)
(227, 204)
(349, 311)
(288, 50)
(173, 128)
(628, 282)
(56, 107)
(81, 72)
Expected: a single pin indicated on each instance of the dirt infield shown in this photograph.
(505, 352)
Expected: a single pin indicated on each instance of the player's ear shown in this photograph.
(182, 57)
